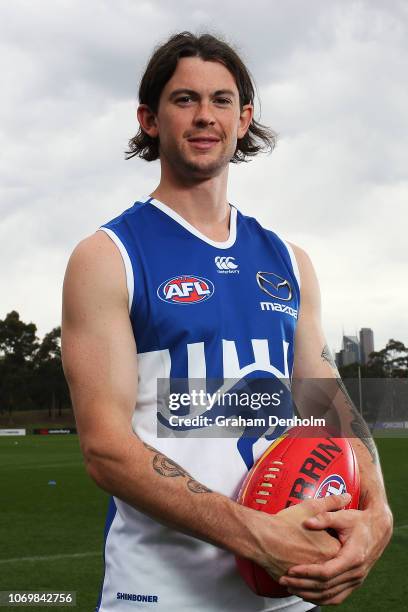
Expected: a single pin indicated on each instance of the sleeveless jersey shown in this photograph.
(207, 310)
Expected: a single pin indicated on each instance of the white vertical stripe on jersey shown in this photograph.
(126, 262)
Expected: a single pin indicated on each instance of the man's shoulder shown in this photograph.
(95, 253)
(95, 270)
(131, 213)
(307, 274)
(300, 253)
(273, 232)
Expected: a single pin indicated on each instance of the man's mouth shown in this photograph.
(203, 142)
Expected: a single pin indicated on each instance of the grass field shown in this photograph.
(51, 535)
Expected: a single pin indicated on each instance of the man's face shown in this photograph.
(199, 118)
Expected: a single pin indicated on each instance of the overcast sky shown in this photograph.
(332, 79)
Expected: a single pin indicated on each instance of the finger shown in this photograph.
(331, 503)
(340, 597)
(339, 593)
(326, 520)
(347, 559)
(306, 584)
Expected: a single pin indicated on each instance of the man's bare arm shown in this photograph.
(100, 363)
(318, 390)
(315, 369)
(353, 421)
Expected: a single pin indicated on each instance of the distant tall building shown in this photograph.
(351, 350)
(366, 344)
(339, 358)
(355, 351)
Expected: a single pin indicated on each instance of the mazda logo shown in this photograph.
(274, 285)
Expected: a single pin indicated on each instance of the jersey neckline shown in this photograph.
(193, 230)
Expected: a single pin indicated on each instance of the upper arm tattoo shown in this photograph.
(358, 425)
(167, 467)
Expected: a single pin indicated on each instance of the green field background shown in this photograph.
(51, 535)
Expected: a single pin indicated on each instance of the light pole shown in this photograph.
(360, 390)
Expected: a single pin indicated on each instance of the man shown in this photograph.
(173, 289)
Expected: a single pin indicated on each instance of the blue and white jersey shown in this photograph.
(214, 311)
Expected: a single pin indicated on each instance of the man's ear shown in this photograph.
(147, 120)
(245, 118)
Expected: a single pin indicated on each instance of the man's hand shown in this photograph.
(282, 540)
(363, 536)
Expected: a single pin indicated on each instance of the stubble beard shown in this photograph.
(196, 169)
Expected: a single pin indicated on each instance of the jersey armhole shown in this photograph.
(293, 261)
(126, 262)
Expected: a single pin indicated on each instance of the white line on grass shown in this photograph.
(51, 557)
(400, 528)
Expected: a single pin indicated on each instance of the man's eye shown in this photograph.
(184, 99)
(223, 101)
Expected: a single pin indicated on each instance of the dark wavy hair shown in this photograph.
(161, 68)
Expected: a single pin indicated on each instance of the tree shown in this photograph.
(18, 340)
(18, 346)
(31, 374)
(391, 361)
(49, 385)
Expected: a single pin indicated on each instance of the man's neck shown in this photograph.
(203, 204)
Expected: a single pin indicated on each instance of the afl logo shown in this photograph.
(186, 289)
(332, 485)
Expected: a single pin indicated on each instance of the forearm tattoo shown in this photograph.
(358, 425)
(168, 468)
(327, 356)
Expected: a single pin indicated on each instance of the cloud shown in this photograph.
(331, 78)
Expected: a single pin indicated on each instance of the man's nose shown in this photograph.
(204, 115)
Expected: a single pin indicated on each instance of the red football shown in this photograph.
(292, 469)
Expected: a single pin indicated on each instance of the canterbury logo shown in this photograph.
(225, 263)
